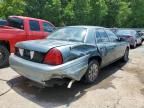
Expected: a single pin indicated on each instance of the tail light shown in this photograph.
(53, 57)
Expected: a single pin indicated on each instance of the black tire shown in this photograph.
(4, 56)
(141, 43)
(92, 72)
(125, 58)
(134, 45)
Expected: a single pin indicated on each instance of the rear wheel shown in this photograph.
(92, 72)
(4, 56)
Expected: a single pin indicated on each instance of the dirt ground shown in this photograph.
(119, 86)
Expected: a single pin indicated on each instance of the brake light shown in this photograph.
(53, 57)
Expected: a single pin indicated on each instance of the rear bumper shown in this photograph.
(41, 72)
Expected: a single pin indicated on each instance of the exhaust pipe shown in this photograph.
(70, 83)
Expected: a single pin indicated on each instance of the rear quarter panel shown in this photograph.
(75, 51)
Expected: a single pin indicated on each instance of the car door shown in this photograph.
(118, 46)
(35, 30)
(104, 46)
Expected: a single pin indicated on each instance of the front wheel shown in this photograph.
(141, 43)
(4, 56)
(134, 45)
(125, 58)
(92, 72)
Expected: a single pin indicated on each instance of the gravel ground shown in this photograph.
(119, 86)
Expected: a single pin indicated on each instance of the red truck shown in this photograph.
(18, 29)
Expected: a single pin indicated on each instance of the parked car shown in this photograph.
(75, 52)
(18, 29)
(3, 22)
(130, 36)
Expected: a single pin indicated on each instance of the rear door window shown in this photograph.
(16, 22)
(34, 25)
(98, 37)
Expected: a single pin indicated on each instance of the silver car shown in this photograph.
(75, 52)
(130, 36)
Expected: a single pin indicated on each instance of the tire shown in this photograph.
(92, 72)
(134, 45)
(141, 43)
(125, 58)
(4, 56)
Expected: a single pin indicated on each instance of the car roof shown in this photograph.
(24, 17)
(30, 18)
(126, 29)
(85, 26)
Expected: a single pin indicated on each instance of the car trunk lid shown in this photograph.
(43, 45)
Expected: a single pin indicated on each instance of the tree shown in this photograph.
(109, 13)
(97, 12)
(81, 10)
(46, 9)
(136, 18)
(123, 14)
(113, 10)
(68, 13)
(11, 7)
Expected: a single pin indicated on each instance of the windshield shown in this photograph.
(125, 32)
(69, 34)
(15, 22)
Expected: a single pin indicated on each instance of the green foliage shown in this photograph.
(98, 11)
(136, 19)
(109, 13)
(123, 14)
(11, 7)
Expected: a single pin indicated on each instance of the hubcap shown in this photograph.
(93, 72)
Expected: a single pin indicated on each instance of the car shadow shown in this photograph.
(60, 95)
(6, 66)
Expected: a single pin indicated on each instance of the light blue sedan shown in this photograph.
(75, 53)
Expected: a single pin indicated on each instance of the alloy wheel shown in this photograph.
(93, 72)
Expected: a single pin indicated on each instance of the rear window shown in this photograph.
(15, 22)
(69, 34)
(34, 25)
